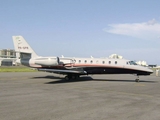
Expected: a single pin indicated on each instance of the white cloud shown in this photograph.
(147, 30)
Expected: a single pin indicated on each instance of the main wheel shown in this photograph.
(69, 77)
(137, 80)
(66, 77)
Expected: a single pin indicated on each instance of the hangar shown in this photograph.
(7, 57)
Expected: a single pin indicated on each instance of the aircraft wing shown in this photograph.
(66, 71)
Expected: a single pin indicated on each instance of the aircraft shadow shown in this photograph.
(87, 78)
(46, 77)
(120, 80)
(81, 79)
(62, 80)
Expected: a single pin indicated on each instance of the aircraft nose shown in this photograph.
(150, 71)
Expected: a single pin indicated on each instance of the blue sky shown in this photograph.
(81, 28)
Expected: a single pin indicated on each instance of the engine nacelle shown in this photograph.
(47, 61)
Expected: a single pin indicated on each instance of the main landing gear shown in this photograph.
(137, 79)
(71, 77)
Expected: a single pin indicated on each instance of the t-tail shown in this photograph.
(23, 48)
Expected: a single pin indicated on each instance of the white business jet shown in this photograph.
(74, 67)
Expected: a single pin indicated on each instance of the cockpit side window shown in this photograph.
(132, 63)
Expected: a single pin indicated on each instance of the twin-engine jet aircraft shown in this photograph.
(74, 67)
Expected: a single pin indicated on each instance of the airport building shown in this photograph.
(7, 57)
(142, 63)
(116, 56)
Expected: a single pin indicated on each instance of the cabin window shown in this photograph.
(79, 61)
(103, 62)
(85, 61)
(91, 61)
(115, 62)
(109, 62)
(127, 63)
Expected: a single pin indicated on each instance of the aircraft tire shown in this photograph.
(69, 77)
(66, 77)
(137, 80)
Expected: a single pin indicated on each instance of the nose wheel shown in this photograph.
(137, 79)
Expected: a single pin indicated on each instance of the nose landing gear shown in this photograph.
(137, 79)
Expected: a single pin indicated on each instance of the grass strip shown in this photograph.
(16, 69)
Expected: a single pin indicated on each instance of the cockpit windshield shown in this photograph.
(132, 63)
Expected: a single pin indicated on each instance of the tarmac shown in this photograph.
(46, 96)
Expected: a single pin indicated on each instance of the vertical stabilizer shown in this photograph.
(22, 47)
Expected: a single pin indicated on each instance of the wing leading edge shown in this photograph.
(80, 72)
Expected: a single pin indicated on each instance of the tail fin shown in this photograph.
(21, 46)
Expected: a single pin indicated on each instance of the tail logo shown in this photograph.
(17, 38)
